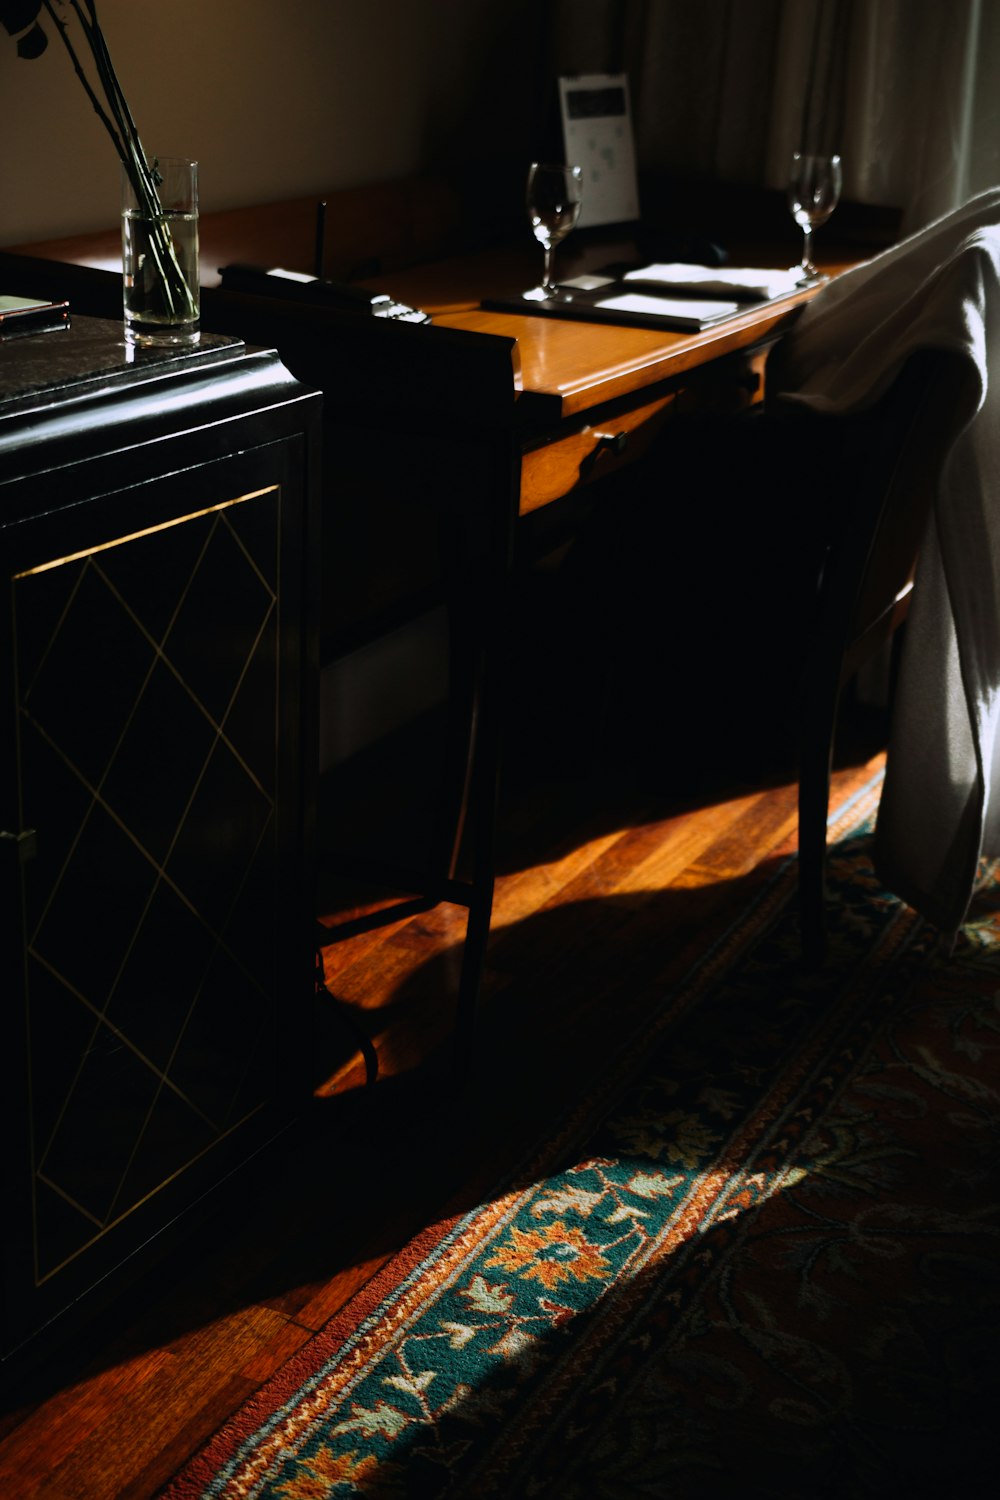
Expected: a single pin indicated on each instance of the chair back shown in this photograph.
(880, 496)
(894, 453)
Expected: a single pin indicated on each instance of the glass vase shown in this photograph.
(161, 292)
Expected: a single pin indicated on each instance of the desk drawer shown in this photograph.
(553, 469)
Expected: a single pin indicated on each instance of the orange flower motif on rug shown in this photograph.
(360, 1473)
(553, 1254)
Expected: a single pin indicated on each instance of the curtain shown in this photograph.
(907, 90)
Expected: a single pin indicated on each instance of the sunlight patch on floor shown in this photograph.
(674, 856)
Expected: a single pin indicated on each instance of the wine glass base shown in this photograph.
(547, 294)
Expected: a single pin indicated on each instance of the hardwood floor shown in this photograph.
(605, 890)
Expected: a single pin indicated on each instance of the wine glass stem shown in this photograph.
(807, 265)
(547, 251)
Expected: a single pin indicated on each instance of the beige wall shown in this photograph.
(274, 100)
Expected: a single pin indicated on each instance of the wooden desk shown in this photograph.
(566, 366)
(592, 396)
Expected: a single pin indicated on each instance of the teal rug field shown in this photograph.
(767, 1264)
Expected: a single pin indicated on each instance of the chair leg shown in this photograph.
(460, 741)
(815, 762)
(477, 933)
(480, 642)
(482, 800)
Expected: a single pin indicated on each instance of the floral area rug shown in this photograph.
(772, 1269)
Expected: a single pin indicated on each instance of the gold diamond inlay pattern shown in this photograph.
(148, 693)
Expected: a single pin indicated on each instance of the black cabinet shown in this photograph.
(158, 519)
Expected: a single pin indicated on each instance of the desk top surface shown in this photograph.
(567, 365)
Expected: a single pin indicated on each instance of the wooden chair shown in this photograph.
(891, 456)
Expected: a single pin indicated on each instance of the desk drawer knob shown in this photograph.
(617, 442)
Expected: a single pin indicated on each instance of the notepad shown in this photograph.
(673, 312)
(741, 283)
(610, 299)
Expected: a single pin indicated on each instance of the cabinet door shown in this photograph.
(158, 766)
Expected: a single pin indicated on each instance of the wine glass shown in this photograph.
(553, 195)
(813, 193)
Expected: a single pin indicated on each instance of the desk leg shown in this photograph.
(480, 642)
(480, 797)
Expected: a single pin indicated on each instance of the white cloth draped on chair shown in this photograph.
(938, 290)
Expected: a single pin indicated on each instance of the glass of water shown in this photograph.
(161, 293)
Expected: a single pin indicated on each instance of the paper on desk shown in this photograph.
(588, 283)
(679, 312)
(746, 283)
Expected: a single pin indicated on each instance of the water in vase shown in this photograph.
(160, 263)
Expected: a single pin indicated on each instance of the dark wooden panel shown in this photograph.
(157, 778)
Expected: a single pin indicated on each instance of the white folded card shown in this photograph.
(678, 312)
(748, 283)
